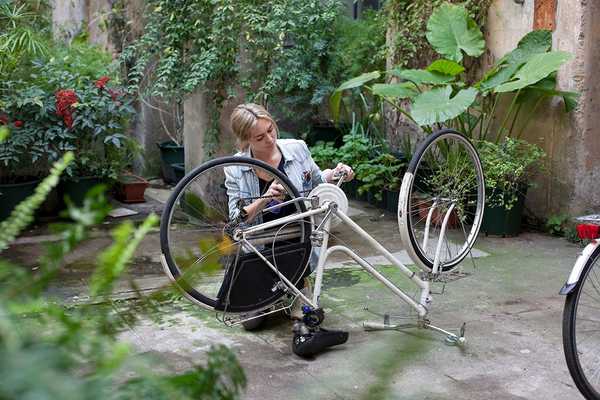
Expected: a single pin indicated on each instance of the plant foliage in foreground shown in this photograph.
(50, 351)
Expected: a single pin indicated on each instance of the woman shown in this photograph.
(257, 135)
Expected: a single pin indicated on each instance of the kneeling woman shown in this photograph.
(257, 135)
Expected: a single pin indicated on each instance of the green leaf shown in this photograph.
(398, 90)
(446, 67)
(537, 68)
(450, 31)
(535, 42)
(336, 98)
(436, 105)
(421, 76)
(358, 81)
(546, 88)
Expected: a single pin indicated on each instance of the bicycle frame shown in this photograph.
(329, 209)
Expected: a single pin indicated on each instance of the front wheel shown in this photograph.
(581, 329)
(441, 201)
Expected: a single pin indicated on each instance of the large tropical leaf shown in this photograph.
(451, 31)
(421, 76)
(546, 88)
(537, 68)
(436, 106)
(336, 98)
(404, 90)
(535, 42)
(446, 67)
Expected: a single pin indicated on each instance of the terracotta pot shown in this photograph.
(131, 188)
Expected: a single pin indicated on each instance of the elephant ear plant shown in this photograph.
(492, 111)
(439, 95)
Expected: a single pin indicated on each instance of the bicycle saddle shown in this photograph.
(315, 341)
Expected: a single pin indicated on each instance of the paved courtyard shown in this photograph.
(508, 299)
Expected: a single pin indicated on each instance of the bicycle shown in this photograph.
(235, 268)
(581, 325)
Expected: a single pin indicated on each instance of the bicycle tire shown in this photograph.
(573, 354)
(175, 271)
(425, 181)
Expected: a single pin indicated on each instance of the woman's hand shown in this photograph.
(339, 171)
(275, 191)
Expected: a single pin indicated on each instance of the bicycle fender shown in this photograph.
(578, 267)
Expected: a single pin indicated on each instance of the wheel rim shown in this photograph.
(447, 182)
(587, 329)
(198, 245)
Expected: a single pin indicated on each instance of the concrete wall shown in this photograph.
(567, 138)
(68, 17)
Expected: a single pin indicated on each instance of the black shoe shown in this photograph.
(314, 342)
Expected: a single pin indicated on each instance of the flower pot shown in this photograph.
(77, 187)
(350, 188)
(131, 188)
(502, 222)
(371, 199)
(438, 215)
(391, 200)
(170, 153)
(12, 194)
(179, 171)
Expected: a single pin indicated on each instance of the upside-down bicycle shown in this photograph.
(237, 268)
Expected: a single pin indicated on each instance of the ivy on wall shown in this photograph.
(408, 21)
(265, 48)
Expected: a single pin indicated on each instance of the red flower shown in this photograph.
(114, 94)
(64, 105)
(3, 120)
(18, 124)
(100, 83)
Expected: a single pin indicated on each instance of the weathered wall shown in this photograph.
(68, 17)
(562, 136)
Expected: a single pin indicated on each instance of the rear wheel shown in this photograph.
(581, 329)
(444, 182)
(198, 245)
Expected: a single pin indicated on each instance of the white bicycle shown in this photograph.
(581, 316)
(236, 269)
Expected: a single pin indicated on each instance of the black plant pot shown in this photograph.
(325, 132)
(502, 222)
(350, 189)
(12, 194)
(170, 153)
(371, 199)
(391, 200)
(179, 171)
(76, 188)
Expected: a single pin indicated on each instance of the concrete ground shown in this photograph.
(508, 299)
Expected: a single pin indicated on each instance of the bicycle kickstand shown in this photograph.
(451, 338)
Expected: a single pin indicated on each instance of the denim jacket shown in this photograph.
(299, 167)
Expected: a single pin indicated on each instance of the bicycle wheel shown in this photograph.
(581, 329)
(444, 178)
(200, 252)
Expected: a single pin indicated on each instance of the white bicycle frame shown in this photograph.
(329, 209)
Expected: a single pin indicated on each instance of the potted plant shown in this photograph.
(130, 188)
(380, 179)
(507, 166)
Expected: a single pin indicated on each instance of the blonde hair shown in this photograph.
(244, 117)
